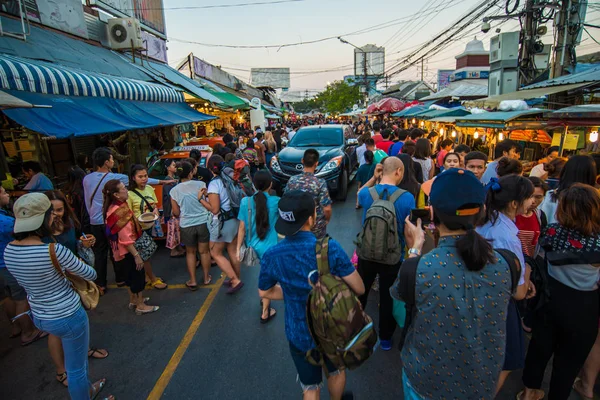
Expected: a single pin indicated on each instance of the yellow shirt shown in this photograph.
(139, 206)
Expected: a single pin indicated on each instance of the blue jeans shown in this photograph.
(74, 332)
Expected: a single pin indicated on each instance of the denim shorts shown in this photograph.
(310, 376)
(12, 287)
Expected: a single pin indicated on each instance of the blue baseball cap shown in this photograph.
(455, 188)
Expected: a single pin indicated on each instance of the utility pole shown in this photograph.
(564, 47)
(365, 73)
(528, 36)
(422, 69)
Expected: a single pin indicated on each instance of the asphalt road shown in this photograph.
(199, 345)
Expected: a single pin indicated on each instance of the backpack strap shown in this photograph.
(404, 290)
(515, 267)
(396, 195)
(373, 193)
(322, 252)
(96, 190)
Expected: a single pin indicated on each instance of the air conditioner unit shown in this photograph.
(503, 81)
(125, 34)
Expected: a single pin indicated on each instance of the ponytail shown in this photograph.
(475, 251)
(262, 182)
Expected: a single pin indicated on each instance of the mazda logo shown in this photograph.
(299, 167)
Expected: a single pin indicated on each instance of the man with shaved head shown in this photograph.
(393, 171)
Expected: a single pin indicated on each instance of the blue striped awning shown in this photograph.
(36, 76)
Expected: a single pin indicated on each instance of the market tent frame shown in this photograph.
(582, 115)
(411, 112)
(8, 101)
(494, 119)
(524, 94)
(448, 112)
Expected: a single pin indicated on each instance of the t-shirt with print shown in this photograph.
(192, 212)
(455, 346)
(216, 187)
(288, 263)
(529, 232)
(317, 187)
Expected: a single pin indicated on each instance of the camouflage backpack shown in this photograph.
(341, 329)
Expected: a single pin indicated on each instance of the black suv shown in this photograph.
(337, 157)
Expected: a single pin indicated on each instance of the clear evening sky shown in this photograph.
(307, 20)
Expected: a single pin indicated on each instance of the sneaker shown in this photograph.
(386, 345)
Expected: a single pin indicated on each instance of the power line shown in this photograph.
(236, 5)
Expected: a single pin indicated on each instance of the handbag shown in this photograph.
(248, 255)
(87, 290)
(85, 253)
(145, 246)
(173, 233)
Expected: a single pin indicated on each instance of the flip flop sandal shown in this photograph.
(40, 335)
(95, 351)
(62, 379)
(235, 289)
(209, 280)
(577, 388)
(272, 314)
(193, 288)
(140, 312)
(95, 392)
(540, 394)
(227, 283)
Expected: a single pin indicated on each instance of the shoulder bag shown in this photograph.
(145, 246)
(87, 290)
(248, 255)
(96, 190)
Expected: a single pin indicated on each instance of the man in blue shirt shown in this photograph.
(396, 148)
(284, 271)
(392, 173)
(38, 182)
(16, 302)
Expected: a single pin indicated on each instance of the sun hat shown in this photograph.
(30, 211)
(295, 207)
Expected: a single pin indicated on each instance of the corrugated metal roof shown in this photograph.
(590, 75)
(462, 91)
(450, 112)
(58, 48)
(501, 116)
(494, 101)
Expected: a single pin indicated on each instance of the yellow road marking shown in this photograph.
(178, 286)
(169, 370)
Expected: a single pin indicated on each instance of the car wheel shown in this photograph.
(342, 192)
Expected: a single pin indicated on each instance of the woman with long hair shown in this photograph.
(567, 326)
(194, 218)
(257, 217)
(579, 169)
(65, 230)
(270, 145)
(223, 226)
(423, 157)
(73, 191)
(508, 197)
(55, 305)
(409, 181)
(142, 200)
(123, 230)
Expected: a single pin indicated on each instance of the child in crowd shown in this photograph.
(365, 172)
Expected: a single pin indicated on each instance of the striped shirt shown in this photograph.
(50, 295)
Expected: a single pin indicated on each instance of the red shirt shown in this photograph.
(440, 158)
(529, 232)
(377, 138)
(384, 145)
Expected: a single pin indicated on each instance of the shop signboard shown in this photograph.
(157, 47)
(571, 141)
(537, 136)
(443, 79)
(64, 15)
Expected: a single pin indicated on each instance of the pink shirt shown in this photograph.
(440, 158)
(126, 237)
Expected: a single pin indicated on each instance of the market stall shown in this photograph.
(583, 116)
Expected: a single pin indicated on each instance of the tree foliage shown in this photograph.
(338, 97)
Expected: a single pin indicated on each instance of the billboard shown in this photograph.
(64, 15)
(443, 78)
(150, 13)
(374, 57)
(277, 78)
(157, 47)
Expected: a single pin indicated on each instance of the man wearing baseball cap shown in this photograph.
(455, 342)
(284, 271)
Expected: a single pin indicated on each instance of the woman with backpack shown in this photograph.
(224, 224)
(566, 328)
(508, 197)
(579, 169)
(257, 217)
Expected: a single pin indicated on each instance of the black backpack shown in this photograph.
(404, 287)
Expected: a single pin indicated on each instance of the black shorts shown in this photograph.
(310, 376)
(192, 235)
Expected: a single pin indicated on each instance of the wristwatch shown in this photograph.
(414, 251)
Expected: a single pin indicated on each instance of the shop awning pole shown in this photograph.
(563, 136)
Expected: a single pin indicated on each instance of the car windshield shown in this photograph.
(313, 137)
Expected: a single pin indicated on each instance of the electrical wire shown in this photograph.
(236, 5)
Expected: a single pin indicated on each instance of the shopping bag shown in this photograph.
(173, 233)
(399, 312)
